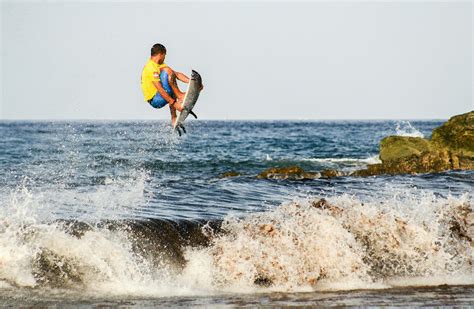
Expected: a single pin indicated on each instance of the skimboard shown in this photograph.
(190, 99)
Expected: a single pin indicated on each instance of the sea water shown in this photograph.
(128, 213)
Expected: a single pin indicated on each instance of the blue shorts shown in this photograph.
(158, 101)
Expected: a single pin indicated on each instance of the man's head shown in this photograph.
(158, 53)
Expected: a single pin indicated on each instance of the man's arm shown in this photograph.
(163, 92)
(182, 77)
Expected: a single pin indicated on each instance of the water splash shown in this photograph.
(305, 245)
(405, 128)
(343, 244)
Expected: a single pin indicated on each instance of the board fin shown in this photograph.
(194, 115)
(182, 127)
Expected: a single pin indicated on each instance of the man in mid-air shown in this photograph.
(159, 83)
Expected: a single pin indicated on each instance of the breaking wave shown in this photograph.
(340, 243)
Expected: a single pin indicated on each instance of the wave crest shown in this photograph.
(318, 243)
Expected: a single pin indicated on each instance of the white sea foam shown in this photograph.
(405, 128)
(346, 245)
(101, 261)
(370, 160)
(418, 239)
(115, 198)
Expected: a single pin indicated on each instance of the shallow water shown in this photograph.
(116, 213)
(444, 296)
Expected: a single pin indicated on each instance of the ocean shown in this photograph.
(126, 213)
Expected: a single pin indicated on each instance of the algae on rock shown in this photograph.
(457, 134)
(451, 147)
(291, 172)
(395, 147)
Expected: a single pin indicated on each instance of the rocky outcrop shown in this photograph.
(297, 173)
(229, 174)
(396, 147)
(426, 162)
(291, 172)
(331, 173)
(457, 135)
(451, 147)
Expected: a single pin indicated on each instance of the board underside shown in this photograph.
(190, 98)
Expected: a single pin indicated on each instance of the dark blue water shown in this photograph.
(149, 172)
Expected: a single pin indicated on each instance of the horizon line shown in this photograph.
(218, 119)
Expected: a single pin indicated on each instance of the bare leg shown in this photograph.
(173, 114)
(174, 85)
(178, 105)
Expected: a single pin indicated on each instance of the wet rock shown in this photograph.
(451, 147)
(331, 173)
(229, 174)
(320, 204)
(457, 134)
(396, 147)
(291, 172)
(426, 162)
(323, 204)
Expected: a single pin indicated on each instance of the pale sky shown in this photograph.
(258, 60)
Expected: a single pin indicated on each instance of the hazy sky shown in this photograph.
(258, 60)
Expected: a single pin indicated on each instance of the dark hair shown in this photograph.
(158, 49)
